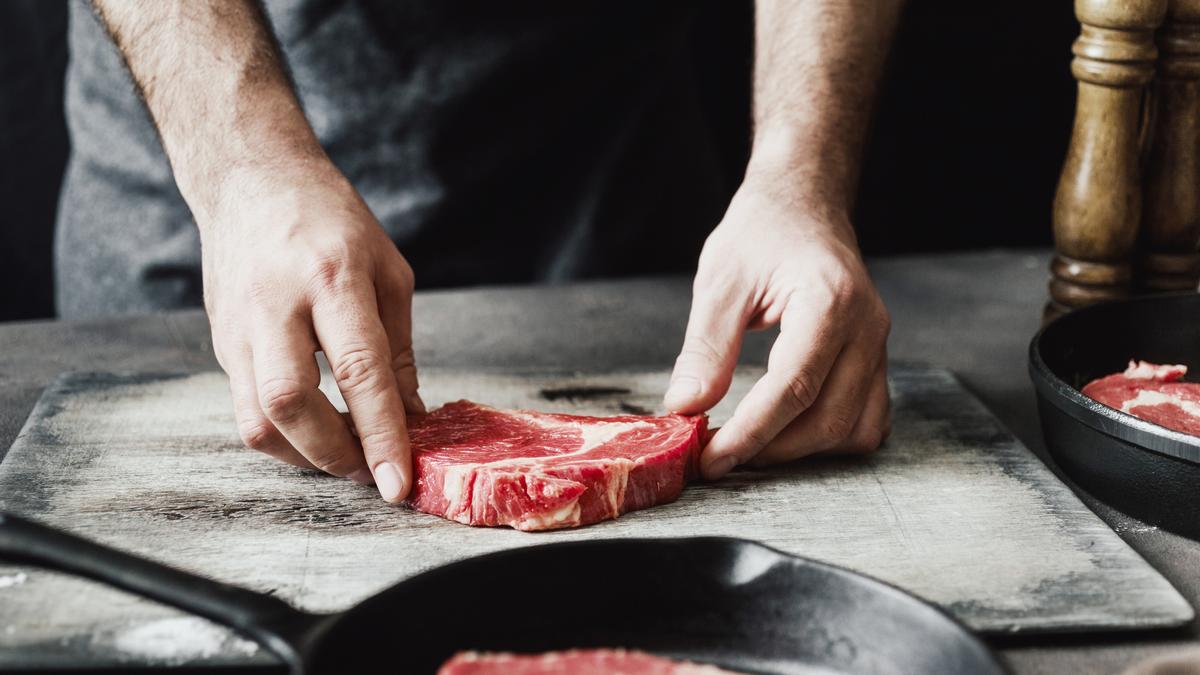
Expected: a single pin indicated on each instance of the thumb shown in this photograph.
(711, 344)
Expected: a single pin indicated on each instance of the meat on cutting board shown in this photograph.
(1152, 392)
(540, 471)
(574, 662)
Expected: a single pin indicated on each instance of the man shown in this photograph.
(447, 114)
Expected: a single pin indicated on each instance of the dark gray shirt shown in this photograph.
(497, 142)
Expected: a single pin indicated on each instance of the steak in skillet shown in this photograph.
(574, 662)
(1153, 393)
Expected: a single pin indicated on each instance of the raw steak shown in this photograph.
(1153, 393)
(574, 662)
(541, 471)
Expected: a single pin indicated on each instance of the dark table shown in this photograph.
(972, 313)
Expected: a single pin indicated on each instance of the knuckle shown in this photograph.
(282, 399)
(846, 290)
(755, 437)
(359, 370)
(884, 319)
(885, 426)
(334, 462)
(404, 273)
(257, 434)
(379, 441)
(218, 349)
(867, 441)
(801, 391)
(698, 348)
(836, 427)
(331, 266)
(404, 360)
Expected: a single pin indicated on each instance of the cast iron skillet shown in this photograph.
(1147, 471)
(725, 601)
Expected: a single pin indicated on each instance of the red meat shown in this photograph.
(574, 662)
(541, 471)
(1153, 393)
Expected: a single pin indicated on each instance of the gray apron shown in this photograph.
(497, 142)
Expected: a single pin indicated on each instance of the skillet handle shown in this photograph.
(263, 617)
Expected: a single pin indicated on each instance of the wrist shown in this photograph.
(813, 171)
(802, 189)
(243, 154)
(275, 194)
(273, 179)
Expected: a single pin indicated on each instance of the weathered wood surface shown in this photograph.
(954, 509)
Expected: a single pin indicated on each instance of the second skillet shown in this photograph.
(728, 602)
(1141, 468)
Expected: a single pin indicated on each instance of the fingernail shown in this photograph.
(387, 479)
(683, 390)
(362, 476)
(722, 466)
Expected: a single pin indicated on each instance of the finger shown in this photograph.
(395, 287)
(704, 368)
(831, 423)
(286, 378)
(808, 345)
(256, 431)
(350, 331)
(875, 425)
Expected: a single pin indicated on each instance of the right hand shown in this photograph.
(294, 263)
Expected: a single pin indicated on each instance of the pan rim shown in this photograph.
(1097, 416)
(962, 634)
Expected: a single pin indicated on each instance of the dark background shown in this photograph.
(970, 131)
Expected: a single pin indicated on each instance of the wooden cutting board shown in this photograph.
(954, 509)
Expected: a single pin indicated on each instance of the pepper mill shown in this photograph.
(1168, 259)
(1098, 204)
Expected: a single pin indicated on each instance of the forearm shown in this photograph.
(817, 66)
(214, 82)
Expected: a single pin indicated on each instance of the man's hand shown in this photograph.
(775, 260)
(785, 252)
(293, 263)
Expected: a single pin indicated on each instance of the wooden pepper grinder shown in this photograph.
(1098, 204)
(1170, 231)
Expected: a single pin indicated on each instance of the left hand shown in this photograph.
(777, 258)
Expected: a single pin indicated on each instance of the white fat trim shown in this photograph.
(452, 486)
(1147, 397)
(1143, 370)
(593, 436)
(567, 514)
(618, 480)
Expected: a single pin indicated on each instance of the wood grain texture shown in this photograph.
(954, 509)
(1170, 230)
(1098, 203)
